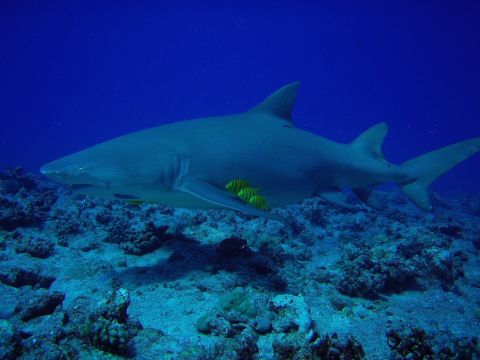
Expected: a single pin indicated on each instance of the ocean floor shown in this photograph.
(85, 278)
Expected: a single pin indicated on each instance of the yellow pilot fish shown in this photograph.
(244, 191)
(236, 185)
(135, 202)
(247, 193)
(258, 202)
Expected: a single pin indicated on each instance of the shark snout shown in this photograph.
(52, 173)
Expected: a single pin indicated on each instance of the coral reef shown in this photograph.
(137, 242)
(415, 343)
(82, 277)
(24, 200)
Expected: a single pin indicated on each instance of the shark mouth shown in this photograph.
(126, 197)
(80, 186)
(85, 186)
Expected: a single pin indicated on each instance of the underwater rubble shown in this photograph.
(86, 278)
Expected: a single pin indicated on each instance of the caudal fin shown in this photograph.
(426, 168)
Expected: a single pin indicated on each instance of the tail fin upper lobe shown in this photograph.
(426, 168)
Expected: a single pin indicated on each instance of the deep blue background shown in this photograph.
(73, 74)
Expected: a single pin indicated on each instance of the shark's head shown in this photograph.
(86, 173)
(110, 171)
(71, 171)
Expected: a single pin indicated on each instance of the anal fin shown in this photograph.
(335, 197)
(368, 196)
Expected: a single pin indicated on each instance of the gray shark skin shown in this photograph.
(187, 164)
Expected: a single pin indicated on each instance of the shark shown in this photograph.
(187, 164)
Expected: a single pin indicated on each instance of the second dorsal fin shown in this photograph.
(280, 103)
(371, 140)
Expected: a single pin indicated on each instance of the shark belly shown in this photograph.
(281, 177)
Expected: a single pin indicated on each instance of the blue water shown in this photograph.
(82, 277)
(77, 73)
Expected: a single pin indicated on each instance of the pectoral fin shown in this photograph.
(221, 197)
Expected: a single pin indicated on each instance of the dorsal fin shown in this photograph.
(370, 141)
(280, 103)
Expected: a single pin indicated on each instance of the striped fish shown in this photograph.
(135, 202)
(258, 202)
(246, 193)
(236, 185)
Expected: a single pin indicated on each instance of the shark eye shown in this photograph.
(81, 169)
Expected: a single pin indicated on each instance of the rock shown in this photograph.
(43, 303)
(262, 325)
(17, 277)
(37, 246)
(331, 347)
(233, 247)
(9, 346)
(238, 301)
(410, 344)
(204, 324)
(110, 335)
(292, 311)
